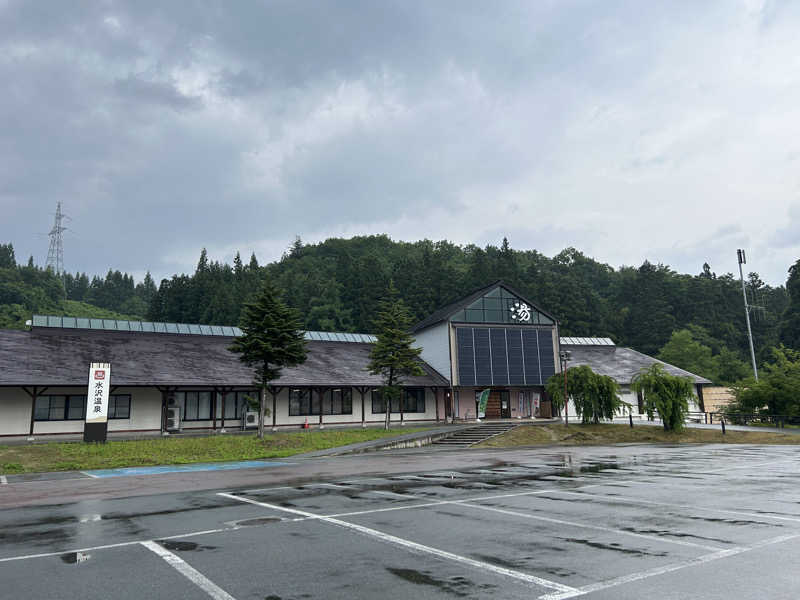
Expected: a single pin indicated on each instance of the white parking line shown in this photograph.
(692, 562)
(588, 526)
(192, 574)
(335, 486)
(118, 545)
(283, 487)
(385, 537)
(682, 506)
(469, 504)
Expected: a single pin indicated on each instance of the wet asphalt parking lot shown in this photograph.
(633, 522)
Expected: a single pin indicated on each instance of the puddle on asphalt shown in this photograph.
(457, 586)
(500, 562)
(179, 546)
(730, 521)
(613, 546)
(670, 533)
(258, 521)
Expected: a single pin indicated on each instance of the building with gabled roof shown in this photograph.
(182, 377)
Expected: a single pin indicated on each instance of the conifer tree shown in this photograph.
(393, 357)
(271, 340)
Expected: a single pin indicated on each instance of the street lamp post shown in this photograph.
(565, 356)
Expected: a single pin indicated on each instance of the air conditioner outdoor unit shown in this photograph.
(173, 418)
(250, 419)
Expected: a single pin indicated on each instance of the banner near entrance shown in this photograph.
(96, 427)
(482, 400)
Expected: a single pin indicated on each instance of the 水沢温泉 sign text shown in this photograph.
(97, 399)
(95, 429)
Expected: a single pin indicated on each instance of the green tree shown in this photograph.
(777, 391)
(7, 260)
(665, 394)
(683, 351)
(271, 340)
(554, 388)
(392, 356)
(730, 368)
(595, 396)
(790, 320)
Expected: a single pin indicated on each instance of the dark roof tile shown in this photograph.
(62, 356)
(622, 364)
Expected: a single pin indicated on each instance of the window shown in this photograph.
(236, 403)
(414, 400)
(412, 403)
(338, 401)
(378, 405)
(60, 408)
(196, 405)
(499, 306)
(300, 402)
(119, 406)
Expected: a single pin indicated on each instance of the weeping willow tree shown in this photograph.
(665, 394)
(594, 395)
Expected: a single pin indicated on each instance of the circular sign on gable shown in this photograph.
(521, 312)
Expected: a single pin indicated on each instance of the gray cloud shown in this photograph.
(627, 130)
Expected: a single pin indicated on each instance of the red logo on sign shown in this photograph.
(99, 374)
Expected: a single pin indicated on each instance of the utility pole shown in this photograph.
(743, 260)
(565, 356)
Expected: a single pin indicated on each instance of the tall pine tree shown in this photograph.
(271, 340)
(392, 356)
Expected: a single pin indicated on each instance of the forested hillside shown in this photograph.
(337, 284)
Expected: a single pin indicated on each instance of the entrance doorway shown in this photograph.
(505, 405)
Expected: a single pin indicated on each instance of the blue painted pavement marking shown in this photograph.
(123, 472)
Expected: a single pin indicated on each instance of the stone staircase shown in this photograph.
(474, 435)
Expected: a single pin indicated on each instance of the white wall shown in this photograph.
(145, 413)
(15, 411)
(435, 343)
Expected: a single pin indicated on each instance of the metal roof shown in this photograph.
(53, 321)
(587, 341)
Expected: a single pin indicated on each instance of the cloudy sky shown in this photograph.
(630, 130)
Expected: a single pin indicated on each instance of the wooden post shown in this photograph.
(436, 401)
(363, 390)
(222, 417)
(275, 390)
(214, 409)
(321, 393)
(165, 391)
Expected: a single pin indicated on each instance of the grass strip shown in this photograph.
(79, 456)
(606, 433)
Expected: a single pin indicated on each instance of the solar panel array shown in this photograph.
(339, 336)
(587, 341)
(179, 328)
(504, 356)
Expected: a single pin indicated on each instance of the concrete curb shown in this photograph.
(408, 440)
